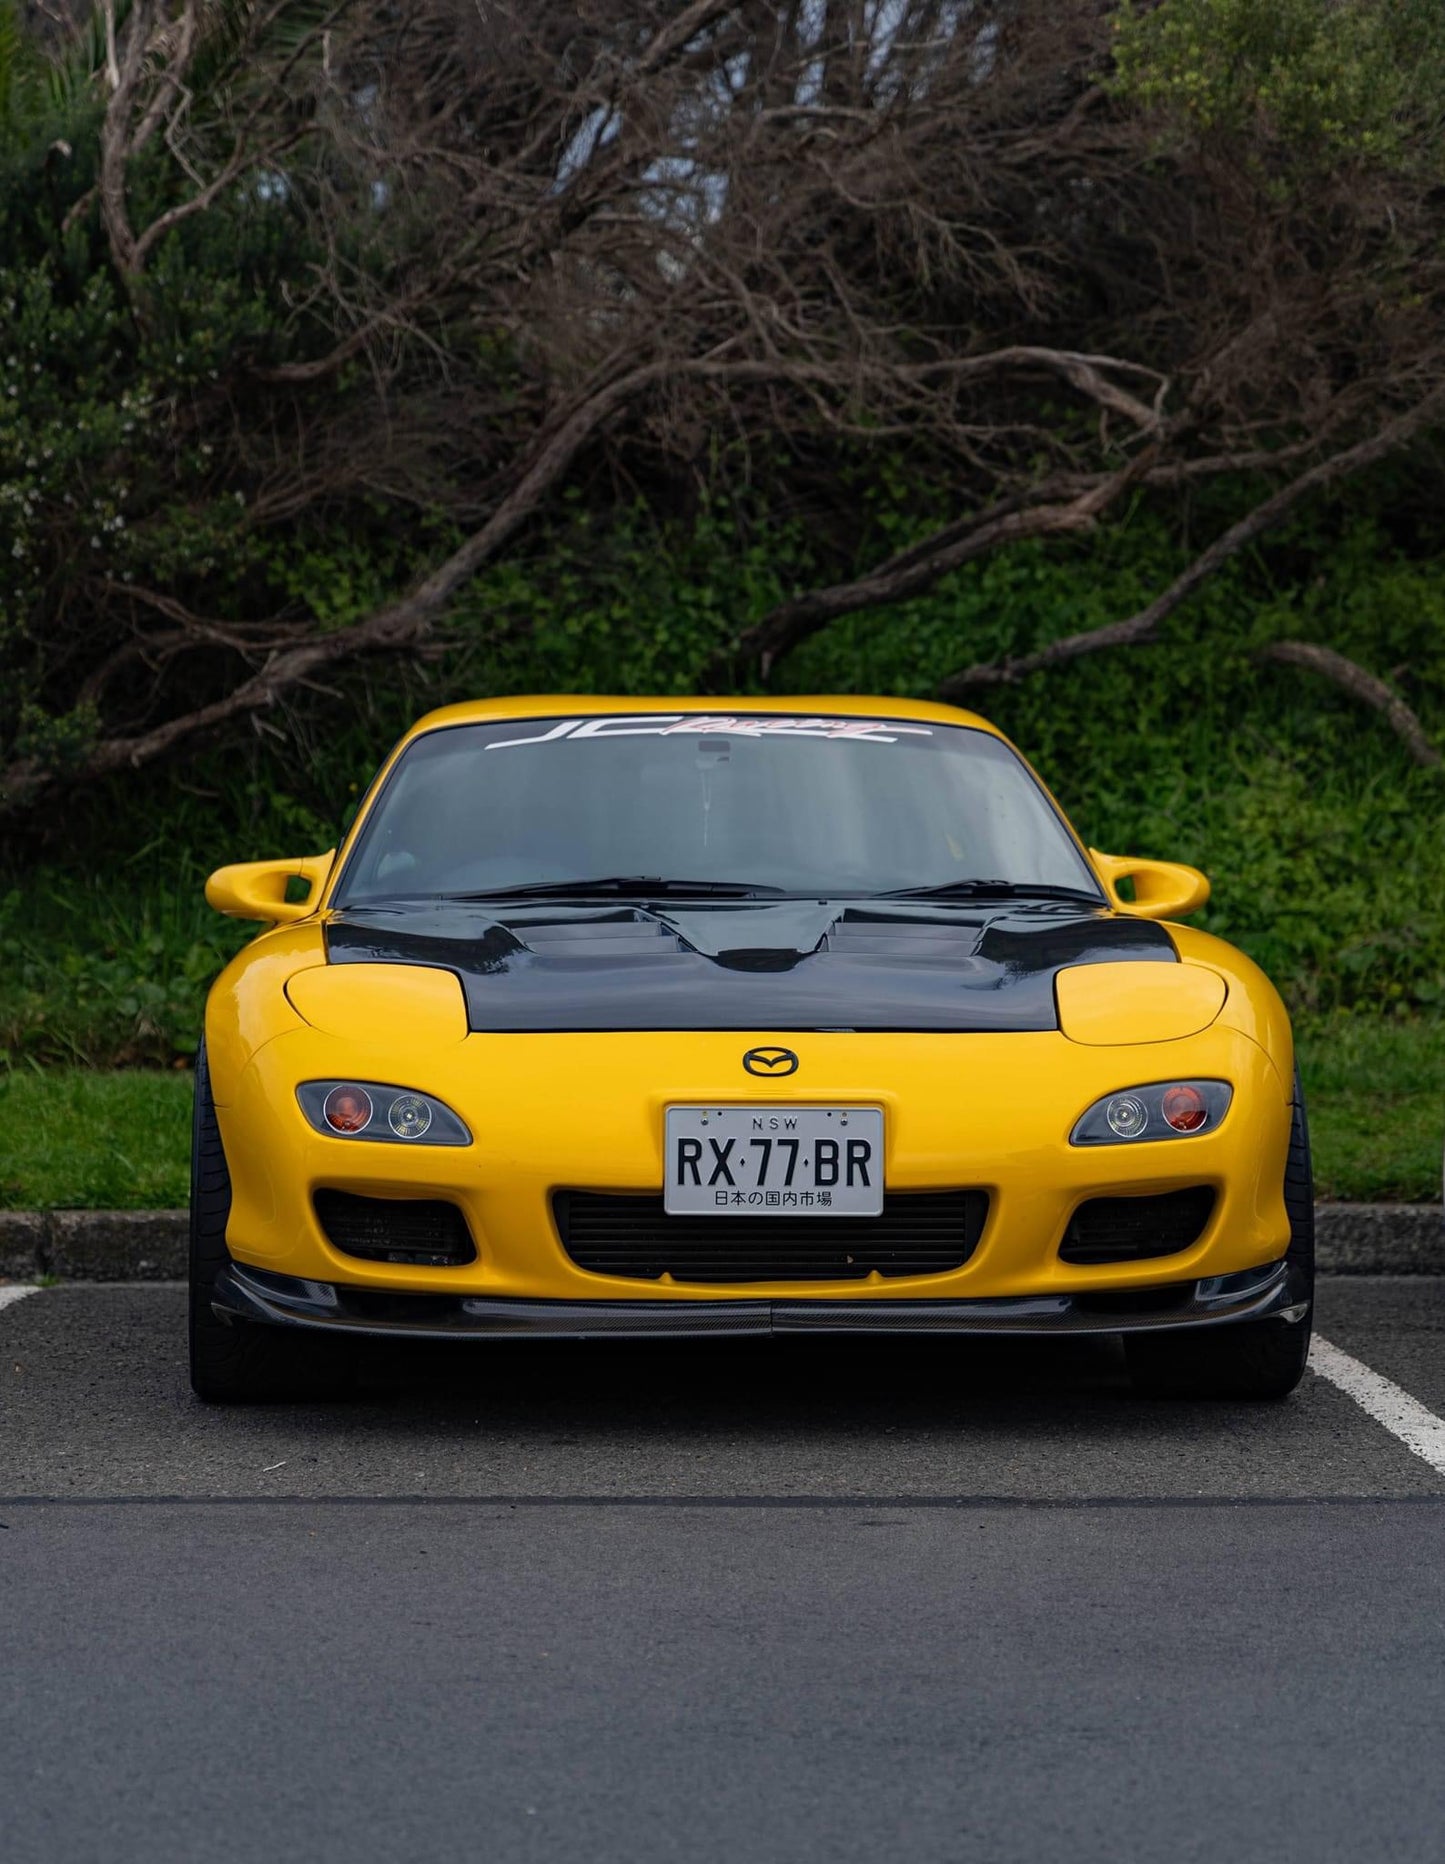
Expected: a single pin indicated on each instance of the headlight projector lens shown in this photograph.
(409, 1116)
(1127, 1115)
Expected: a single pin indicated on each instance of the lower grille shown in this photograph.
(1131, 1229)
(923, 1233)
(423, 1232)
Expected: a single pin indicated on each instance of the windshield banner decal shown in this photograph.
(671, 724)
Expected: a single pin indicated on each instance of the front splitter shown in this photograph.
(249, 1294)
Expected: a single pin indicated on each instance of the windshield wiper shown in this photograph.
(610, 886)
(992, 890)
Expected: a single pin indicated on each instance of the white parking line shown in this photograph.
(1403, 1416)
(16, 1291)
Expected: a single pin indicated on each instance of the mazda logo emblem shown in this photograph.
(774, 1062)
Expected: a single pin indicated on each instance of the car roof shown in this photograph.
(588, 705)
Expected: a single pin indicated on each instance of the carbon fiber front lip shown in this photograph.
(243, 1293)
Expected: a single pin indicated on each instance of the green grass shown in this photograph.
(120, 1141)
(1376, 1096)
(99, 1141)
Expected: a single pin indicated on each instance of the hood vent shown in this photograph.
(861, 938)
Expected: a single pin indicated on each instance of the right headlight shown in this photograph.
(1161, 1110)
(370, 1110)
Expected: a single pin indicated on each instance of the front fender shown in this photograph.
(248, 1006)
(1253, 1006)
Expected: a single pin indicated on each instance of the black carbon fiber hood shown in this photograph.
(786, 965)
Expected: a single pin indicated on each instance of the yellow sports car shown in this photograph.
(659, 1017)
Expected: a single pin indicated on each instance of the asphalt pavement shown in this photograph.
(777, 1600)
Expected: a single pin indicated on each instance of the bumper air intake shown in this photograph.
(1132, 1229)
(926, 1233)
(421, 1232)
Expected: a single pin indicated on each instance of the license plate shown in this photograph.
(774, 1162)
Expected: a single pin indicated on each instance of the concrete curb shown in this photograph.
(1380, 1239)
(93, 1245)
(150, 1245)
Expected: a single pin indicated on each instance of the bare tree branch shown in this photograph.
(920, 566)
(1144, 625)
(1359, 684)
(401, 624)
(123, 72)
(147, 64)
(394, 316)
(198, 202)
(656, 244)
(405, 623)
(677, 33)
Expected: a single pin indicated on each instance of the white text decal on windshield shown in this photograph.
(672, 724)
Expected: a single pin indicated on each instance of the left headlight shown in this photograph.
(372, 1110)
(1162, 1110)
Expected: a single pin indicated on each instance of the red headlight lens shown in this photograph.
(347, 1109)
(1184, 1109)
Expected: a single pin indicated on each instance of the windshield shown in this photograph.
(772, 805)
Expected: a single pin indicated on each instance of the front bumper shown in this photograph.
(586, 1113)
(1271, 1292)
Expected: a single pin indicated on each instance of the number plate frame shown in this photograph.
(752, 1140)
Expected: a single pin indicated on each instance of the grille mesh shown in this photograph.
(1131, 1229)
(924, 1233)
(426, 1232)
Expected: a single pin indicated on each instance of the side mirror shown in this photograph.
(257, 889)
(1162, 889)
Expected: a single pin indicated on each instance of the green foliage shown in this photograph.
(133, 446)
(1329, 78)
(111, 966)
(19, 72)
(69, 428)
(1321, 837)
(620, 606)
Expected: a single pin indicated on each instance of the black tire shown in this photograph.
(237, 1362)
(1255, 1359)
